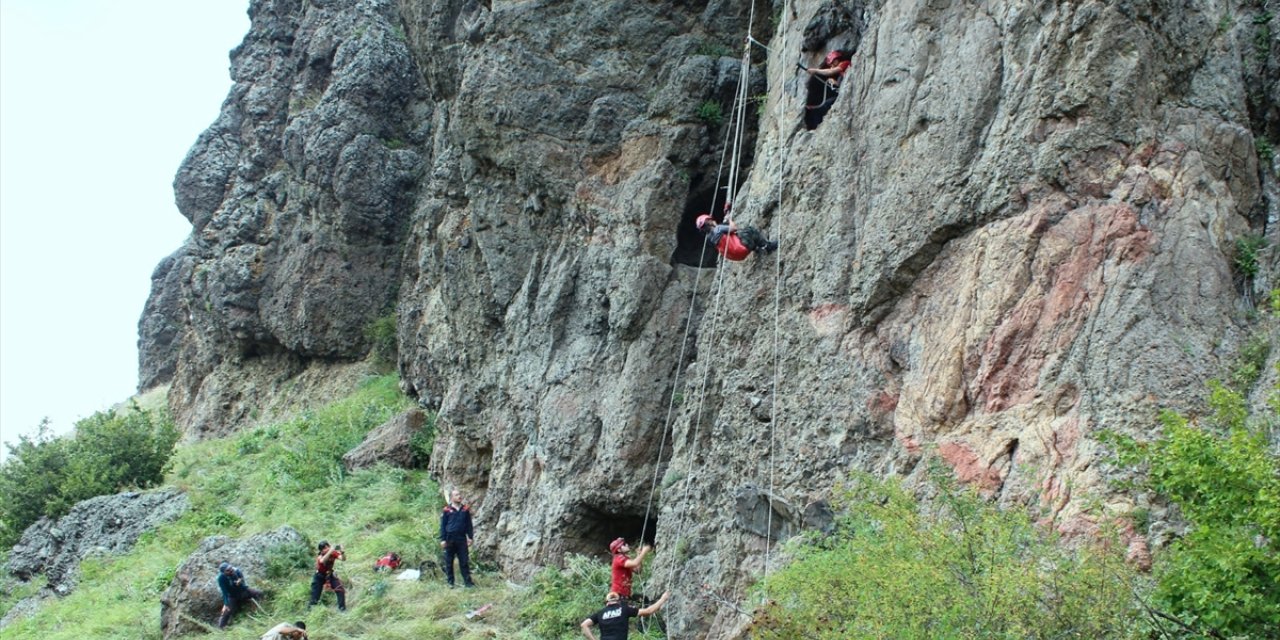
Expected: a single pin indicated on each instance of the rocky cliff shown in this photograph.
(1016, 227)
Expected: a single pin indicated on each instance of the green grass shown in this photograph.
(289, 473)
(286, 473)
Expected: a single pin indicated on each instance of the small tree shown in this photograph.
(1223, 577)
(28, 478)
(109, 451)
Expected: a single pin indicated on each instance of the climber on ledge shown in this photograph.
(824, 86)
(614, 618)
(730, 241)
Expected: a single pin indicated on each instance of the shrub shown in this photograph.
(1250, 363)
(561, 599)
(1246, 258)
(108, 452)
(381, 334)
(1223, 577)
(711, 113)
(960, 569)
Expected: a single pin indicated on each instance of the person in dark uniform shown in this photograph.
(455, 537)
(614, 619)
(235, 592)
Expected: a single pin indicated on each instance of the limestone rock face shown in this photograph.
(194, 596)
(101, 525)
(392, 443)
(1014, 228)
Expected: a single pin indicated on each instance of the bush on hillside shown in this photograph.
(1223, 577)
(962, 568)
(108, 452)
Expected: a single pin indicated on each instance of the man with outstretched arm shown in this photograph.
(614, 619)
(624, 566)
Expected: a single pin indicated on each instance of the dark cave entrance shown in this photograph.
(689, 241)
(591, 530)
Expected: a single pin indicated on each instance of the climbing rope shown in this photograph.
(738, 127)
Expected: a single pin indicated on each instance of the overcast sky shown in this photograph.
(99, 102)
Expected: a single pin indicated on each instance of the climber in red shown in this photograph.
(623, 566)
(732, 242)
(824, 86)
(324, 575)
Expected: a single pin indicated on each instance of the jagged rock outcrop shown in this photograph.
(1015, 228)
(391, 442)
(101, 525)
(193, 597)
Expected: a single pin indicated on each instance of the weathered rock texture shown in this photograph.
(193, 597)
(391, 442)
(101, 525)
(1014, 228)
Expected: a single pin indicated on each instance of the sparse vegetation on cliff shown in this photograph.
(961, 568)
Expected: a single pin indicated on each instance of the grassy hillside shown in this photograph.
(289, 474)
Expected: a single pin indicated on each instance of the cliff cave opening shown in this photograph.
(689, 241)
(592, 529)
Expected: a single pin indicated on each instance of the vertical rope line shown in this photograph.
(681, 527)
(777, 367)
(684, 345)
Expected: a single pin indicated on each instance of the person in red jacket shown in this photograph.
(824, 86)
(325, 576)
(625, 566)
(731, 241)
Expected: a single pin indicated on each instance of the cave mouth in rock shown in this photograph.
(592, 529)
(689, 241)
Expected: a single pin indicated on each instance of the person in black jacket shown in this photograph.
(235, 592)
(455, 537)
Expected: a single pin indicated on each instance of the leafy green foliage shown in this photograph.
(108, 452)
(714, 50)
(1246, 258)
(711, 113)
(1266, 152)
(381, 334)
(1223, 576)
(1262, 36)
(562, 598)
(960, 569)
(423, 442)
(1250, 363)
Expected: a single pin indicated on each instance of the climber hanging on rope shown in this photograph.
(731, 241)
(824, 86)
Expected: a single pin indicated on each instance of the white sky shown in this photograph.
(99, 102)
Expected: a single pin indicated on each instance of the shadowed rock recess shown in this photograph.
(1013, 229)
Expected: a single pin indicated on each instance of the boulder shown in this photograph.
(105, 524)
(390, 443)
(193, 600)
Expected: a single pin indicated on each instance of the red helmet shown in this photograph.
(699, 223)
(617, 544)
(836, 54)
